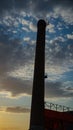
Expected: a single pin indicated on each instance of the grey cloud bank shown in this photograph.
(35, 6)
(15, 109)
(17, 88)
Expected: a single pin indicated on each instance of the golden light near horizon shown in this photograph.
(14, 121)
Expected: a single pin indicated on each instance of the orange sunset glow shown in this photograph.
(11, 121)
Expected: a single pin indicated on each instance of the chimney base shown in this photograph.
(36, 128)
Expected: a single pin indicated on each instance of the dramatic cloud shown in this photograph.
(69, 36)
(34, 6)
(17, 109)
(16, 87)
(50, 28)
(13, 54)
(59, 55)
(53, 89)
(32, 27)
(59, 90)
(17, 66)
(21, 3)
(18, 26)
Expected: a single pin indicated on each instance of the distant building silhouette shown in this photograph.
(58, 117)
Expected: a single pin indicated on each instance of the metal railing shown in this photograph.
(57, 107)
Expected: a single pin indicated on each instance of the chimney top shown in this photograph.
(41, 23)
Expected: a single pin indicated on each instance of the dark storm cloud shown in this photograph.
(36, 6)
(17, 109)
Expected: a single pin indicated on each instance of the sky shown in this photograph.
(18, 32)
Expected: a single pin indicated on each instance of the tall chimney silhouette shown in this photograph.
(37, 106)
